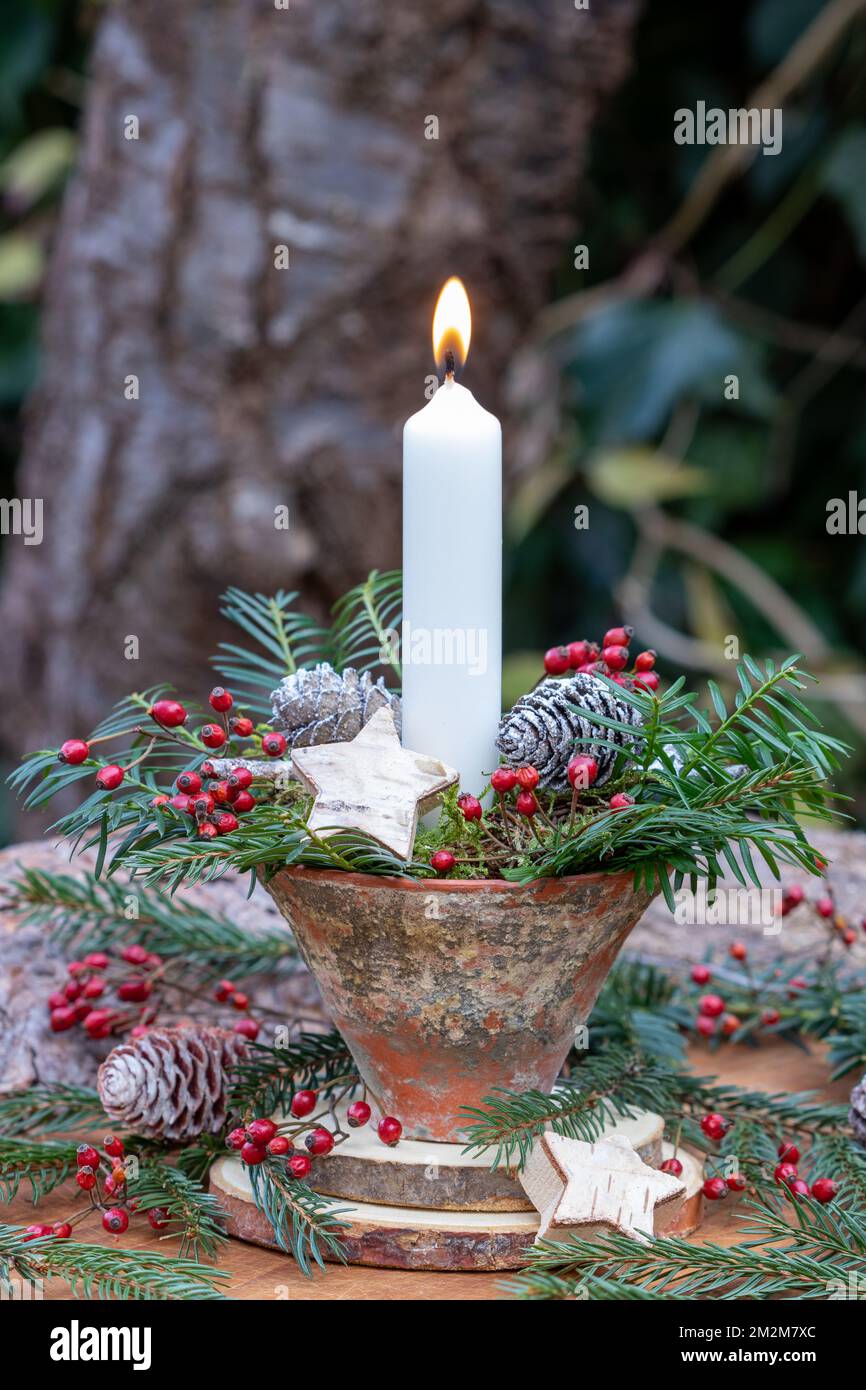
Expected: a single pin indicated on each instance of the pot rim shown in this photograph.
(454, 885)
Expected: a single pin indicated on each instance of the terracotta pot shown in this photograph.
(446, 990)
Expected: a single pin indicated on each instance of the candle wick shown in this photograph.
(449, 364)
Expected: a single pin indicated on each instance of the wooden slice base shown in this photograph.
(441, 1177)
(399, 1236)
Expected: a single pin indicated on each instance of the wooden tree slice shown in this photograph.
(682, 1218)
(441, 1177)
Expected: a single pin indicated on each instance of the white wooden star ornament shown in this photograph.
(586, 1189)
(372, 784)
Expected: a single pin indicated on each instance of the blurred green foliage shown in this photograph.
(776, 266)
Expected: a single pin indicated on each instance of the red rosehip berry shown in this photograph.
(299, 1165)
(701, 974)
(673, 1166)
(273, 745)
(578, 654)
(729, 1025)
(97, 1023)
(715, 1126)
(208, 769)
(799, 1188)
(236, 1138)
(736, 1182)
(113, 1146)
(240, 1001)
(158, 1218)
(86, 1179)
(220, 699)
(241, 726)
(788, 1152)
(182, 803)
(620, 802)
(248, 1028)
(261, 1131)
(279, 1146)
(526, 803)
(63, 1230)
(442, 861)
(108, 778)
(770, 1017)
(188, 782)
(72, 990)
(240, 777)
(389, 1130)
(617, 637)
(219, 791)
(527, 778)
(792, 897)
(737, 950)
(712, 1005)
(303, 1102)
(170, 713)
(226, 823)
(319, 1141)
(56, 1000)
(645, 661)
(224, 991)
(162, 800)
(97, 960)
(715, 1189)
(74, 751)
(824, 1189)
(134, 991)
(556, 661)
(253, 1154)
(358, 1114)
(86, 1156)
(582, 770)
(115, 1220)
(207, 830)
(785, 1173)
(62, 1019)
(504, 779)
(94, 988)
(243, 802)
(825, 907)
(705, 1026)
(212, 735)
(615, 658)
(37, 1231)
(134, 954)
(647, 680)
(470, 806)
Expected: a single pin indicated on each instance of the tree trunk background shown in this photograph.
(262, 387)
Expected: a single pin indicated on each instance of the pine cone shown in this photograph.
(171, 1083)
(322, 706)
(542, 726)
(857, 1113)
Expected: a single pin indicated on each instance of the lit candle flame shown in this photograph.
(452, 325)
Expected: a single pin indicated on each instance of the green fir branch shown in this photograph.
(44, 1164)
(195, 1215)
(268, 1077)
(47, 1107)
(305, 1224)
(285, 641)
(364, 621)
(100, 1272)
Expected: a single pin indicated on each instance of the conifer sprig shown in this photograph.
(100, 1272)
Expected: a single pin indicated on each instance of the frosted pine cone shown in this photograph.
(542, 727)
(322, 706)
(857, 1113)
(171, 1083)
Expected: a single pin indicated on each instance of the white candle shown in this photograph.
(452, 565)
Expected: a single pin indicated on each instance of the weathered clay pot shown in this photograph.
(446, 990)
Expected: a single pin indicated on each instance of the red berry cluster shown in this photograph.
(262, 1140)
(105, 1178)
(609, 658)
(123, 992)
(216, 806)
(716, 1126)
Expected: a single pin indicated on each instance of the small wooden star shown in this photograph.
(590, 1189)
(372, 784)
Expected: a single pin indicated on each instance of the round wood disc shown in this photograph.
(441, 1177)
(682, 1218)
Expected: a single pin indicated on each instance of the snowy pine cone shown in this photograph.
(172, 1083)
(323, 706)
(857, 1113)
(541, 728)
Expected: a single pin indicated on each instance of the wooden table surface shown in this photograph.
(263, 1274)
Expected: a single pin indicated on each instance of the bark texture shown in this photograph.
(263, 387)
